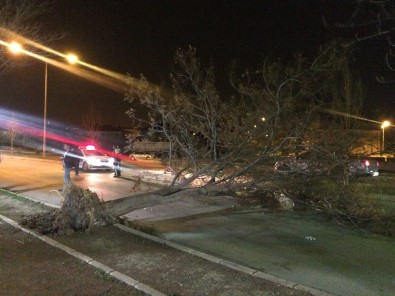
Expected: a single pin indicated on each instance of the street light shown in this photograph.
(16, 48)
(385, 124)
(72, 59)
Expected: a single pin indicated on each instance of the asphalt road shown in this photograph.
(41, 179)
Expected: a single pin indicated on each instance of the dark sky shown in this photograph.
(141, 36)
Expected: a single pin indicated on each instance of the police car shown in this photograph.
(92, 159)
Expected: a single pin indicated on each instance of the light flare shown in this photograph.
(334, 112)
(32, 126)
(115, 81)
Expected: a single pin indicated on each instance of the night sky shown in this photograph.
(141, 37)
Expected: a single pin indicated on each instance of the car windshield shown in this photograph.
(93, 153)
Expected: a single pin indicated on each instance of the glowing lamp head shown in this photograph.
(385, 124)
(72, 58)
(15, 47)
(90, 147)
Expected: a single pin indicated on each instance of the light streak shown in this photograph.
(31, 126)
(101, 76)
(58, 133)
(116, 81)
(334, 112)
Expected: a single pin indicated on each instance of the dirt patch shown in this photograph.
(32, 267)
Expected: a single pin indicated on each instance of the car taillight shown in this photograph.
(367, 163)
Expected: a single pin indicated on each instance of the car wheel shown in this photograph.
(85, 166)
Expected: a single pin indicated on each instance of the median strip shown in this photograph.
(115, 274)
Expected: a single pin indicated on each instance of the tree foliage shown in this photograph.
(273, 110)
(372, 21)
(90, 123)
(12, 131)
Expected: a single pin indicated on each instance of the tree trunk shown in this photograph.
(205, 195)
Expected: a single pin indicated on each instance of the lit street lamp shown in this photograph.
(16, 48)
(45, 108)
(385, 124)
(72, 59)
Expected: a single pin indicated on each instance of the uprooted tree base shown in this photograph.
(81, 210)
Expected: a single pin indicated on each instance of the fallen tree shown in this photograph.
(277, 110)
(223, 150)
(235, 140)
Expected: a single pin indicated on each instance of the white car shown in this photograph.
(94, 159)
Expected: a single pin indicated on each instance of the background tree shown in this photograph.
(21, 17)
(372, 24)
(12, 131)
(333, 132)
(90, 123)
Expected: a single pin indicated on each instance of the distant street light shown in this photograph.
(385, 124)
(16, 48)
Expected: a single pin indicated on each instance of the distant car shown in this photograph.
(94, 159)
(309, 163)
(364, 166)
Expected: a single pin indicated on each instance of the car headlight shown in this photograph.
(93, 161)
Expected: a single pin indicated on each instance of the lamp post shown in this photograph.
(385, 124)
(16, 48)
(45, 108)
(72, 59)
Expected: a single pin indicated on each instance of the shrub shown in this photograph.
(347, 204)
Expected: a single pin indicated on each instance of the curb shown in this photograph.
(31, 199)
(110, 271)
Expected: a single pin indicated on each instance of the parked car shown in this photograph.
(364, 166)
(309, 163)
(94, 159)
